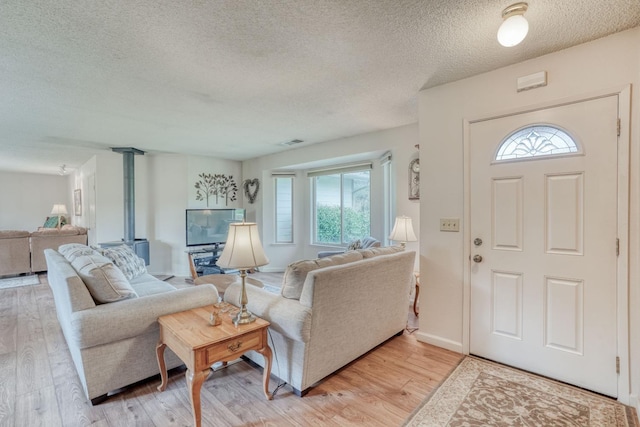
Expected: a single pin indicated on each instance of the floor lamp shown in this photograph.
(243, 251)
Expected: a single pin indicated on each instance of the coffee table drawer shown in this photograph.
(235, 346)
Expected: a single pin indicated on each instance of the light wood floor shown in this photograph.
(39, 385)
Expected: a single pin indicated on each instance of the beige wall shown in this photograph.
(606, 64)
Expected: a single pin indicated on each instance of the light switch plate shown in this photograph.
(449, 224)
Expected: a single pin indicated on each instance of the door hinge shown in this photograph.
(617, 364)
(618, 127)
(617, 247)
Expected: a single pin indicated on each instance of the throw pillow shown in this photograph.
(126, 260)
(354, 245)
(105, 281)
(52, 221)
(72, 251)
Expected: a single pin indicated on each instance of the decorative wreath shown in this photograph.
(251, 187)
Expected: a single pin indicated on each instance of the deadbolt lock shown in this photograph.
(477, 241)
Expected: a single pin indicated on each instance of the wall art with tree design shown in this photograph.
(218, 185)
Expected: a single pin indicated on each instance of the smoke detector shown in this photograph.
(292, 142)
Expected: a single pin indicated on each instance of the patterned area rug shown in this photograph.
(483, 393)
(14, 282)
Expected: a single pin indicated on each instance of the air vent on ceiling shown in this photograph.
(292, 142)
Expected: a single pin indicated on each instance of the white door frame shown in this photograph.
(622, 267)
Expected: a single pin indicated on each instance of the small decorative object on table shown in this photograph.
(219, 310)
(214, 318)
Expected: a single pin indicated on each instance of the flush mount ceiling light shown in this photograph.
(515, 27)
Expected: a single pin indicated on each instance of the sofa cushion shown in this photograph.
(386, 250)
(296, 273)
(77, 229)
(105, 281)
(46, 232)
(125, 259)
(13, 234)
(146, 285)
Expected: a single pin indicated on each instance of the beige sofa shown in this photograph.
(14, 252)
(113, 344)
(335, 310)
(52, 238)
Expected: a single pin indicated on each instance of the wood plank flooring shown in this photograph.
(39, 385)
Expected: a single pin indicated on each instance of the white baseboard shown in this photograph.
(439, 341)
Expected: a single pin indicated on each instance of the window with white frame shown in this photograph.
(341, 204)
(284, 209)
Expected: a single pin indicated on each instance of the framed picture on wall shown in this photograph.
(77, 202)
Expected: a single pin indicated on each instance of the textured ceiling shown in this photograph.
(234, 79)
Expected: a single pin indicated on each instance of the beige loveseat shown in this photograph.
(331, 311)
(14, 252)
(23, 252)
(113, 344)
(52, 238)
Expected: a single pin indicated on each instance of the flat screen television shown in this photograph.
(210, 226)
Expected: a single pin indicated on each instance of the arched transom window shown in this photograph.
(536, 141)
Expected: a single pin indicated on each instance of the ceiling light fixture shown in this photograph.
(515, 27)
(63, 170)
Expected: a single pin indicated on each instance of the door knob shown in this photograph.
(477, 241)
(477, 258)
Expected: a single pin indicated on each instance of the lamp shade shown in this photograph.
(243, 249)
(403, 230)
(59, 210)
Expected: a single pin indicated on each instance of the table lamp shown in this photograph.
(243, 251)
(403, 231)
(59, 210)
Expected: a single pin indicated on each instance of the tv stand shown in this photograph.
(202, 260)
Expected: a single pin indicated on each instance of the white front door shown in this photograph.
(543, 296)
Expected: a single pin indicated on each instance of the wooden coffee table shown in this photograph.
(200, 345)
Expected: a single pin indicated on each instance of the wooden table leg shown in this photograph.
(194, 383)
(266, 374)
(163, 368)
(415, 299)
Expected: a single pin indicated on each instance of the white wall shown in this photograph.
(604, 64)
(399, 141)
(26, 199)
